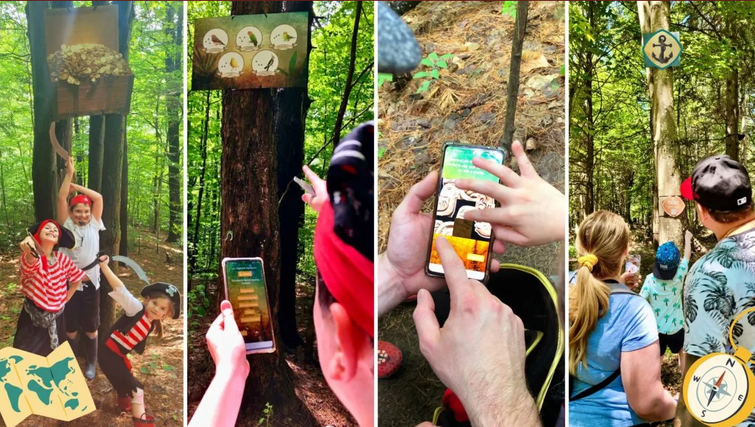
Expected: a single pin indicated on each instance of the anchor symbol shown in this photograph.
(662, 44)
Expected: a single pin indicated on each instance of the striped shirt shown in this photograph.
(137, 334)
(47, 285)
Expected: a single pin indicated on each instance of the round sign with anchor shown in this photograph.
(661, 49)
(719, 389)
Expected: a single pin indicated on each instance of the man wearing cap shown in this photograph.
(82, 215)
(720, 284)
(663, 290)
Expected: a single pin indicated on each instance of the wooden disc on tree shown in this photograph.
(673, 206)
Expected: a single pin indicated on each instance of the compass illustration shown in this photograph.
(719, 389)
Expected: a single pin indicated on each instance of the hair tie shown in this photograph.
(588, 261)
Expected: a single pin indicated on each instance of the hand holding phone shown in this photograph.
(245, 288)
(304, 185)
(472, 240)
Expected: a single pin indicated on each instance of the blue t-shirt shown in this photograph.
(628, 325)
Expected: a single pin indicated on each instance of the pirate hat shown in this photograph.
(65, 237)
(170, 291)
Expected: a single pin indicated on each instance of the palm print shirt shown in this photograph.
(719, 286)
(665, 296)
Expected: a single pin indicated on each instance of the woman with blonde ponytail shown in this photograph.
(614, 357)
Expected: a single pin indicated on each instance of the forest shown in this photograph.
(611, 148)
(637, 132)
(132, 157)
(269, 134)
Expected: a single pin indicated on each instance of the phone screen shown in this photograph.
(246, 290)
(470, 239)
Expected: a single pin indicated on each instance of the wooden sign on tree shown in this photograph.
(673, 206)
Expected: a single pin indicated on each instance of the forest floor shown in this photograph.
(309, 383)
(467, 104)
(160, 368)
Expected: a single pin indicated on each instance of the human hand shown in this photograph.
(688, 236)
(226, 344)
(320, 187)
(70, 169)
(406, 255)
(532, 211)
(426, 424)
(104, 260)
(630, 279)
(27, 245)
(467, 354)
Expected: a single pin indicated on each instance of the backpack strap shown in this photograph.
(616, 289)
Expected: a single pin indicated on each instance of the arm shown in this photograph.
(26, 246)
(111, 278)
(96, 200)
(65, 188)
(120, 294)
(687, 244)
(683, 417)
(641, 377)
(221, 402)
(72, 290)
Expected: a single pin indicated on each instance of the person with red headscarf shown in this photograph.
(45, 275)
(82, 215)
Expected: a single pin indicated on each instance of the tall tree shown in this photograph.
(653, 16)
(291, 106)
(172, 64)
(112, 176)
(249, 162)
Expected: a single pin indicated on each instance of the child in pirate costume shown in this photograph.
(83, 216)
(129, 333)
(45, 275)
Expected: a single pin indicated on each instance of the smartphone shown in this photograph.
(244, 280)
(304, 185)
(472, 240)
(632, 266)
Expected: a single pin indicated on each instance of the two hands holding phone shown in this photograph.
(479, 353)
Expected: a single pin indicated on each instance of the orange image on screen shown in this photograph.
(473, 253)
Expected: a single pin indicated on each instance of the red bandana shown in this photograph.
(81, 198)
(347, 273)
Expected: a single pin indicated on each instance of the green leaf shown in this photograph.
(509, 8)
(145, 370)
(433, 56)
(381, 151)
(447, 56)
(425, 86)
(435, 73)
(442, 64)
(427, 61)
(421, 74)
(168, 368)
(384, 77)
(262, 420)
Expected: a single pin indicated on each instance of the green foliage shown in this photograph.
(197, 304)
(384, 77)
(147, 124)
(435, 63)
(328, 68)
(509, 8)
(268, 413)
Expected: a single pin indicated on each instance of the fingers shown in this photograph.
(307, 198)
(495, 265)
(507, 234)
(488, 188)
(507, 176)
(217, 325)
(311, 176)
(417, 195)
(453, 268)
(226, 310)
(426, 424)
(428, 329)
(525, 167)
(498, 246)
(493, 216)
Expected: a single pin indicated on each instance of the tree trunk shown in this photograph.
(173, 110)
(194, 248)
(96, 150)
(291, 107)
(349, 76)
(249, 212)
(661, 90)
(512, 89)
(112, 177)
(123, 244)
(732, 113)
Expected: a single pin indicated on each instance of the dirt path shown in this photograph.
(467, 104)
(160, 368)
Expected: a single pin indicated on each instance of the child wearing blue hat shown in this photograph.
(663, 290)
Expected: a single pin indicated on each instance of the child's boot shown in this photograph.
(144, 421)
